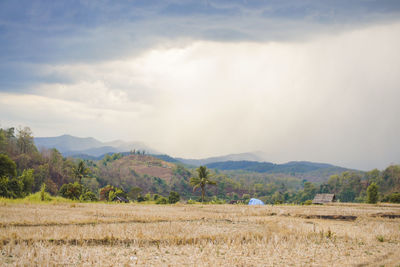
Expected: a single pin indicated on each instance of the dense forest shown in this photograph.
(137, 176)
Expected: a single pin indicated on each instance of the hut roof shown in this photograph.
(323, 198)
(121, 199)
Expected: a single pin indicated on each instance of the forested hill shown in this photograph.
(24, 169)
(310, 171)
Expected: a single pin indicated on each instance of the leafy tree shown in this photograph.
(372, 193)
(134, 193)
(111, 196)
(71, 190)
(162, 200)
(28, 180)
(8, 168)
(4, 191)
(15, 188)
(246, 197)
(308, 192)
(25, 140)
(173, 197)
(105, 191)
(394, 198)
(109, 192)
(201, 181)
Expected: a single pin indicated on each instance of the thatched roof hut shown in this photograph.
(120, 199)
(323, 198)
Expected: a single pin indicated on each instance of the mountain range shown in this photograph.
(91, 148)
(73, 146)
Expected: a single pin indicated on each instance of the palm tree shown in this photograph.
(81, 171)
(201, 181)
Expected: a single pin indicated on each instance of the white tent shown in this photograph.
(255, 201)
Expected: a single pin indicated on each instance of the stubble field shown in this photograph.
(78, 234)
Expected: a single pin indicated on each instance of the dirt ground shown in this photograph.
(78, 234)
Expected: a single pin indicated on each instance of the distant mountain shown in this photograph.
(67, 143)
(70, 145)
(230, 157)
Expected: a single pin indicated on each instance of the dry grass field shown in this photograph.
(77, 234)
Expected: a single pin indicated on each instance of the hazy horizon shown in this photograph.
(298, 80)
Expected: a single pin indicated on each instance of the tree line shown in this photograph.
(24, 169)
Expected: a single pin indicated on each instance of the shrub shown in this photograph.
(372, 193)
(162, 200)
(140, 198)
(216, 200)
(71, 190)
(308, 202)
(105, 191)
(4, 192)
(394, 198)
(147, 197)
(112, 195)
(88, 196)
(43, 192)
(245, 197)
(191, 201)
(16, 188)
(173, 197)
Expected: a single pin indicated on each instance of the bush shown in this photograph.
(245, 197)
(88, 196)
(43, 192)
(372, 193)
(394, 198)
(147, 197)
(16, 188)
(72, 190)
(105, 191)
(39, 196)
(173, 197)
(111, 196)
(191, 201)
(140, 198)
(4, 191)
(307, 202)
(162, 200)
(216, 200)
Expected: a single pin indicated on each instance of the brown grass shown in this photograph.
(198, 235)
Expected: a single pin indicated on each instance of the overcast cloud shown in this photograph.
(298, 80)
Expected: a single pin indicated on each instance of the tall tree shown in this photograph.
(25, 140)
(81, 171)
(201, 181)
(372, 193)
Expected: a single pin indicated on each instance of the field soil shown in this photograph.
(78, 234)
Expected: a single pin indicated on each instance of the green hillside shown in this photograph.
(25, 170)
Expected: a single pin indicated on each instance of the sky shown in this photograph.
(297, 80)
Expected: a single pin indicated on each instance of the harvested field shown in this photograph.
(199, 235)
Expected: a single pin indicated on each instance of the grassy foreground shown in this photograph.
(99, 234)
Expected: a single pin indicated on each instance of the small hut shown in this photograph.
(120, 199)
(323, 198)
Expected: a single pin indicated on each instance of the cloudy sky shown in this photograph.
(298, 80)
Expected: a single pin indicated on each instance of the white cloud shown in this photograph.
(332, 98)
